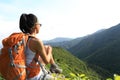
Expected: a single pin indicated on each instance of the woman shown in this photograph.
(35, 49)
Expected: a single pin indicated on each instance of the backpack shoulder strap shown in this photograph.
(41, 65)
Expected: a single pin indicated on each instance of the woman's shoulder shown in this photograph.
(35, 40)
(35, 44)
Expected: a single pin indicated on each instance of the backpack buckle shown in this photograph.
(12, 64)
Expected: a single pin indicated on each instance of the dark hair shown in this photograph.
(27, 22)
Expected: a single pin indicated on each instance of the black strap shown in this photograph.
(11, 57)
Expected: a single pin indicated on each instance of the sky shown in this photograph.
(60, 18)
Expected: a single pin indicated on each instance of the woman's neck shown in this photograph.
(33, 34)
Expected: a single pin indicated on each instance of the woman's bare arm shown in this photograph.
(38, 47)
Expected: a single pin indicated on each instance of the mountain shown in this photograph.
(101, 49)
(65, 44)
(99, 31)
(58, 39)
(71, 64)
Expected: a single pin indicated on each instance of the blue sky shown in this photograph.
(60, 18)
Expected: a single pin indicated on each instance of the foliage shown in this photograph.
(76, 77)
(1, 78)
(116, 77)
(80, 77)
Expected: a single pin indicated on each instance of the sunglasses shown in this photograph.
(39, 24)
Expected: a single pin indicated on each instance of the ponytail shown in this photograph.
(27, 22)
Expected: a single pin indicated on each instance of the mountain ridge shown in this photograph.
(57, 39)
(101, 49)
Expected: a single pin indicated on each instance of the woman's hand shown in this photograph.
(48, 49)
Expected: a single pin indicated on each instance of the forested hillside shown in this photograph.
(101, 49)
(71, 64)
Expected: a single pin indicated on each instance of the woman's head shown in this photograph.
(27, 23)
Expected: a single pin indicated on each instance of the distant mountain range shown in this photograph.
(64, 43)
(67, 43)
(58, 39)
(101, 48)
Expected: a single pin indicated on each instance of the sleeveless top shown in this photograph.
(29, 53)
(33, 69)
(35, 73)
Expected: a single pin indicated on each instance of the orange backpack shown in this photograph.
(12, 57)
